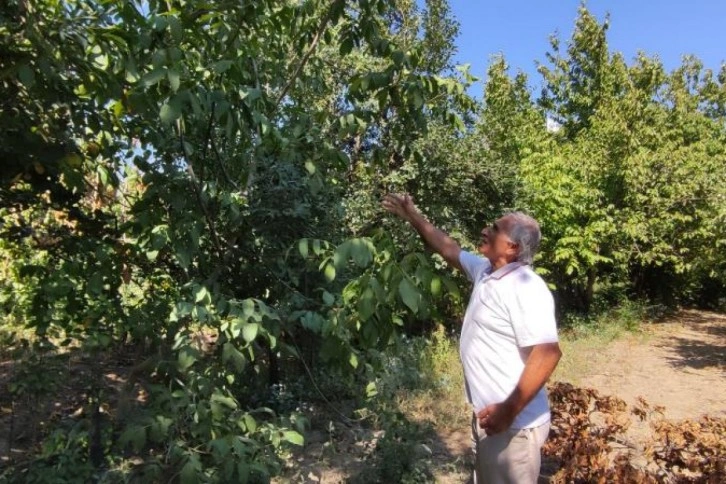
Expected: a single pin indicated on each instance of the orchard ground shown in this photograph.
(678, 363)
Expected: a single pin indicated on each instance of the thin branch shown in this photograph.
(346, 420)
(208, 136)
(306, 57)
(209, 141)
(218, 157)
(198, 192)
(253, 162)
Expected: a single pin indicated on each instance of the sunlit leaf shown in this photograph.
(409, 295)
(329, 272)
(249, 331)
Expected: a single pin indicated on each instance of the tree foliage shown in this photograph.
(179, 170)
(197, 185)
(628, 186)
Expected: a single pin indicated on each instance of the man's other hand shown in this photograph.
(399, 204)
(496, 418)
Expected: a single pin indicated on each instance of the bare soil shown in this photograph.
(680, 365)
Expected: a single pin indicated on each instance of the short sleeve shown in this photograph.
(473, 265)
(532, 312)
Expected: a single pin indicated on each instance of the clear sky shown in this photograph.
(520, 30)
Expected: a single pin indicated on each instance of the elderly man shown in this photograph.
(508, 341)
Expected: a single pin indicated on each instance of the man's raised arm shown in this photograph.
(437, 240)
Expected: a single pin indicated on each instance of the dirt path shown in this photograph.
(680, 364)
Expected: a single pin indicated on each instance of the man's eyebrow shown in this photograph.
(495, 227)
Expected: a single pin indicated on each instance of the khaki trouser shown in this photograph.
(510, 457)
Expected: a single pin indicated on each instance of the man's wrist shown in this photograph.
(513, 404)
(415, 217)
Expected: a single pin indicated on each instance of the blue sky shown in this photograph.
(520, 30)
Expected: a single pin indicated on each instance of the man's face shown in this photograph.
(496, 245)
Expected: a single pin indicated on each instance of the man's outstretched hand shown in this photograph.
(402, 205)
(399, 204)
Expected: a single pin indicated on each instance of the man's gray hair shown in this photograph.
(524, 231)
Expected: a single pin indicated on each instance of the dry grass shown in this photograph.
(445, 405)
(442, 401)
(582, 355)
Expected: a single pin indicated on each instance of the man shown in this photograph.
(509, 345)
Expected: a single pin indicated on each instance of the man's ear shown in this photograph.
(512, 249)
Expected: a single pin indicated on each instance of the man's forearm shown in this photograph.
(436, 239)
(540, 364)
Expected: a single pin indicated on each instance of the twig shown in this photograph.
(198, 192)
(306, 57)
(253, 163)
(221, 166)
(208, 137)
(209, 140)
(346, 420)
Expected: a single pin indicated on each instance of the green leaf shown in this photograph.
(103, 175)
(367, 304)
(248, 307)
(183, 256)
(250, 422)
(175, 28)
(312, 321)
(221, 66)
(340, 256)
(435, 286)
(230, 352)
(169, 113)
(101, 61)
(201, 295)
(95, 283)
(159, 429)
(153, 77)
(187, 357)
(371, 390)
(174, 79)
(329, 272)
(134, 435)
(303, 248)
(293, 437)
(409, 295)
(228, 402)
(189, 473)
(26, 76)
(249, 331)
(361, 252)
(346, 46)
(220, 448)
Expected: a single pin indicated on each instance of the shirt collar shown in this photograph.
(507, 269)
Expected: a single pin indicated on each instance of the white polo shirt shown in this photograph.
(509, 310)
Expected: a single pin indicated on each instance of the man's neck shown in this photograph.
(498, 264)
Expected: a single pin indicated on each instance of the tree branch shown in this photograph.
(198, 192)
(306, 57)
